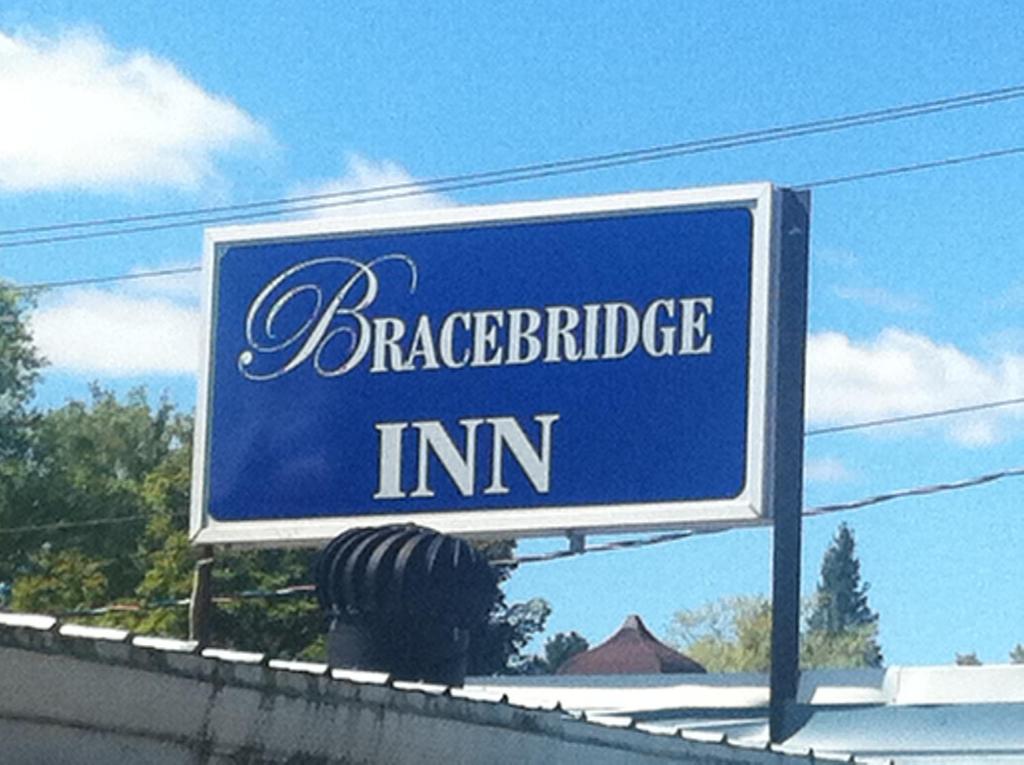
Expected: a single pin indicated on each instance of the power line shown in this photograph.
(58, 525)
(61, 525)
(107, 279)
(918, 491)
(296, 590)
(914, 417)
(628, 543)
(810, 512)
(287, 205)
(305, 590)
(913, 168)
(867, 175)
(965, 100)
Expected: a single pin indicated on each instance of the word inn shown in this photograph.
(430, 438)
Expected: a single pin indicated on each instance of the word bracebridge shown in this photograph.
(479, 338)
(582, 365)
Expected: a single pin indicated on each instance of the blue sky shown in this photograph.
(917, 292)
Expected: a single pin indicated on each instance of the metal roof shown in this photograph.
(905, 715)
(76, 693)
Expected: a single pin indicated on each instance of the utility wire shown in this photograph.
(837, 180)
(509, 175)
(912, 168)
(107, 279)
(301, 590)
(305, 590)
(965, 100)
(914, 417)
(919, 491)
(810, 512)
(59, 525)
(623, 544)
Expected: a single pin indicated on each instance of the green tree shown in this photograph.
(86, 470)
(60, 580)
(840, 623)
(561, 647)
(20, 364)
(852, 647)
(1017, 654)
(498, 645)
(497, 648)
(729, 635)
(968, 660)
(734, 634)
(284, 627)
(118, 470)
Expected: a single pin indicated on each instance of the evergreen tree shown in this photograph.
(841, 601)
(840, 607)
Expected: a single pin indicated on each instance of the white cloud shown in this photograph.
(80, 113)
(362, 174)
(901, 373)
(826, 470)
(91, 331)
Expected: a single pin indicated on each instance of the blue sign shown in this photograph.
(589, 364)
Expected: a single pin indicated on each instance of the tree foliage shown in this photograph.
(728, 635)
(120, 471)
(734, 634)
(841, 600)
(561, 647)
(499, 646)
(1017, 654)
(842, 629)
(852, 647)
(20, 364)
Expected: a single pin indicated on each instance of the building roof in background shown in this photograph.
(902, 715)
(633, 650)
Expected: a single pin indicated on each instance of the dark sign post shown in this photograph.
(563, 367)
(790, 302)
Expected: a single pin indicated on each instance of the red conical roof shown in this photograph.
(633, 650)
